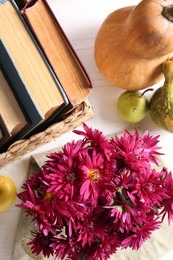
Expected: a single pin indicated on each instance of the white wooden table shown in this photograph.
(81, 20)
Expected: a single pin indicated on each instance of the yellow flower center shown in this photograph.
(119, 208)
(47, 196)
(93, 175)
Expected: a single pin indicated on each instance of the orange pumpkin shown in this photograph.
(133, 42)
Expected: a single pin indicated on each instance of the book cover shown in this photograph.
(58, 50)
(37, 79)
(19, 89)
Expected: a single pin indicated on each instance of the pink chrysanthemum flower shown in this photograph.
(62, 178)
(104, 249)
(41, 244)
(135, 151)
(91, 227)
(66, 248)
(148, 187)
(126, 215)
(96, 177)
(140, 234)
(95, 138)
(168, 202)
(97, 194)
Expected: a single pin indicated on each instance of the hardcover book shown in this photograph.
(49, 80)
(20, 90)
(58, 50)
(38, 84)
(18, 86)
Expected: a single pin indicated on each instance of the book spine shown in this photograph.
(19, 88)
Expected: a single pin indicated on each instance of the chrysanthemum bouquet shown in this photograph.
(98, 194)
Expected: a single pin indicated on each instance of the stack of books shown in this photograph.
(41, 77)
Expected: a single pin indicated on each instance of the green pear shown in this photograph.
(132, 106)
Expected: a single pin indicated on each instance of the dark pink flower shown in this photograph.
(91, 227)
(66, 248)
(70, 149)
(148, 187)
(95, 138)
(97, 177)
(139, 235)
(98, 194)
(103, 249)
(168, 202)
(62, 177)
(135, 151)
(41, 244)
(31, 189)
(125, 215)
(29, 201)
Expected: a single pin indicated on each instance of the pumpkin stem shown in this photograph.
(168, 12)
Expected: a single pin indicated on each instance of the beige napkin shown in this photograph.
(155, 248)
(21, 249)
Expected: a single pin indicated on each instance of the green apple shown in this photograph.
(7, 193)
(132, 106)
